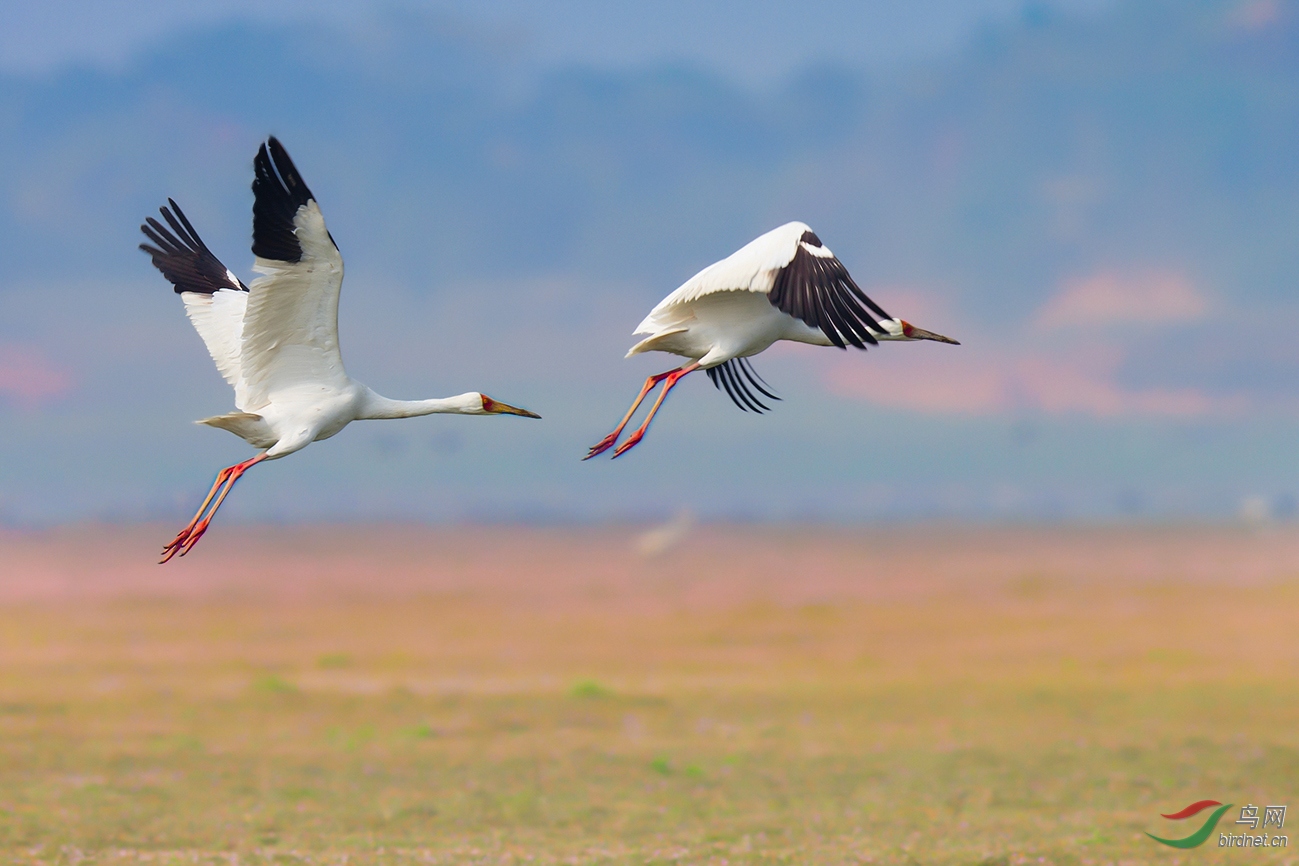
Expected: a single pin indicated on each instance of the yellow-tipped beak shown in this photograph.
(496, 407)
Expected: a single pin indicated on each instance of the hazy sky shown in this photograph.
(750, 39)
(1098, 199)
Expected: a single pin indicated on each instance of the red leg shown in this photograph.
(672, 379)
(607, 442)
(225, 482)
(221, 478)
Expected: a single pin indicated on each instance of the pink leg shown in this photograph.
(222, 477)
(607, 442)
(672, 379)
(225, 482)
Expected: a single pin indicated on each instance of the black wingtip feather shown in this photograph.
(818, 290)
(727, 377)
(278, 193)
(758, 405)
(835, 315)
(730, 391)
(182, 257)
(734, 389)
(741, 386)
(757, 381)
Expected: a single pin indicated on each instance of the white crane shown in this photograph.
(276, 341)
(784, 285)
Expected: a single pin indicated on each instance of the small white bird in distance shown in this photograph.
(661, 539)
(785, 285)
(276, 341)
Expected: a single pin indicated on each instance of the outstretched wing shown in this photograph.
(815, 286)
(798, 274)
(739, 379)
(290, 334)
(214, 297)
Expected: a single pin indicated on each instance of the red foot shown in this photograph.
(184, 543)
(185, 540)
(169, 551)
(177, 544)
(602, 446)
(629, 444)
(196, 535)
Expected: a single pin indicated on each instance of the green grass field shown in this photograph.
(388, 695)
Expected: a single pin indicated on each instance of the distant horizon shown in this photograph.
(633, 524)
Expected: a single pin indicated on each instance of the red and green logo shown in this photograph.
(1197, 838)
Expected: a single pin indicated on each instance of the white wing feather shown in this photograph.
(219, 320)
(751, 268)
(290, 329)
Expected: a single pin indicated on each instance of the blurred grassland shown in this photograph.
(394, 695)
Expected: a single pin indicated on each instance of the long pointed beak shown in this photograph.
(496, 407)
(921, 334)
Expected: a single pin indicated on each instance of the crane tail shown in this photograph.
(253, 429)
(655, 343)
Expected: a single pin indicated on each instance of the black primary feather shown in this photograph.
(182, 256)
(819, 291)
(718, 375)
(757, 381)
(737, 377)
(726, 374)
(742, 387)
(278, 194)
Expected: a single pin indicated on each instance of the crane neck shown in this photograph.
(377, 407)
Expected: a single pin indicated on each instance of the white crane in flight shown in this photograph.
(276, 341)
(784, 285)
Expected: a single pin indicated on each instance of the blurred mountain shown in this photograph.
(1163, 130)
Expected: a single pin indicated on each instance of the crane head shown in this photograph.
(911, 332)
(496, 407)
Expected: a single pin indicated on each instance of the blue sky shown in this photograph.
(1098, 199)
(752, 41)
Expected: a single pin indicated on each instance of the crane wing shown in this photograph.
(815, 287)
(214, 297)
(290, 333)
(798, 274)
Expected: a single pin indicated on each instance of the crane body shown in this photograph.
(783, 285)
(276, 341)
